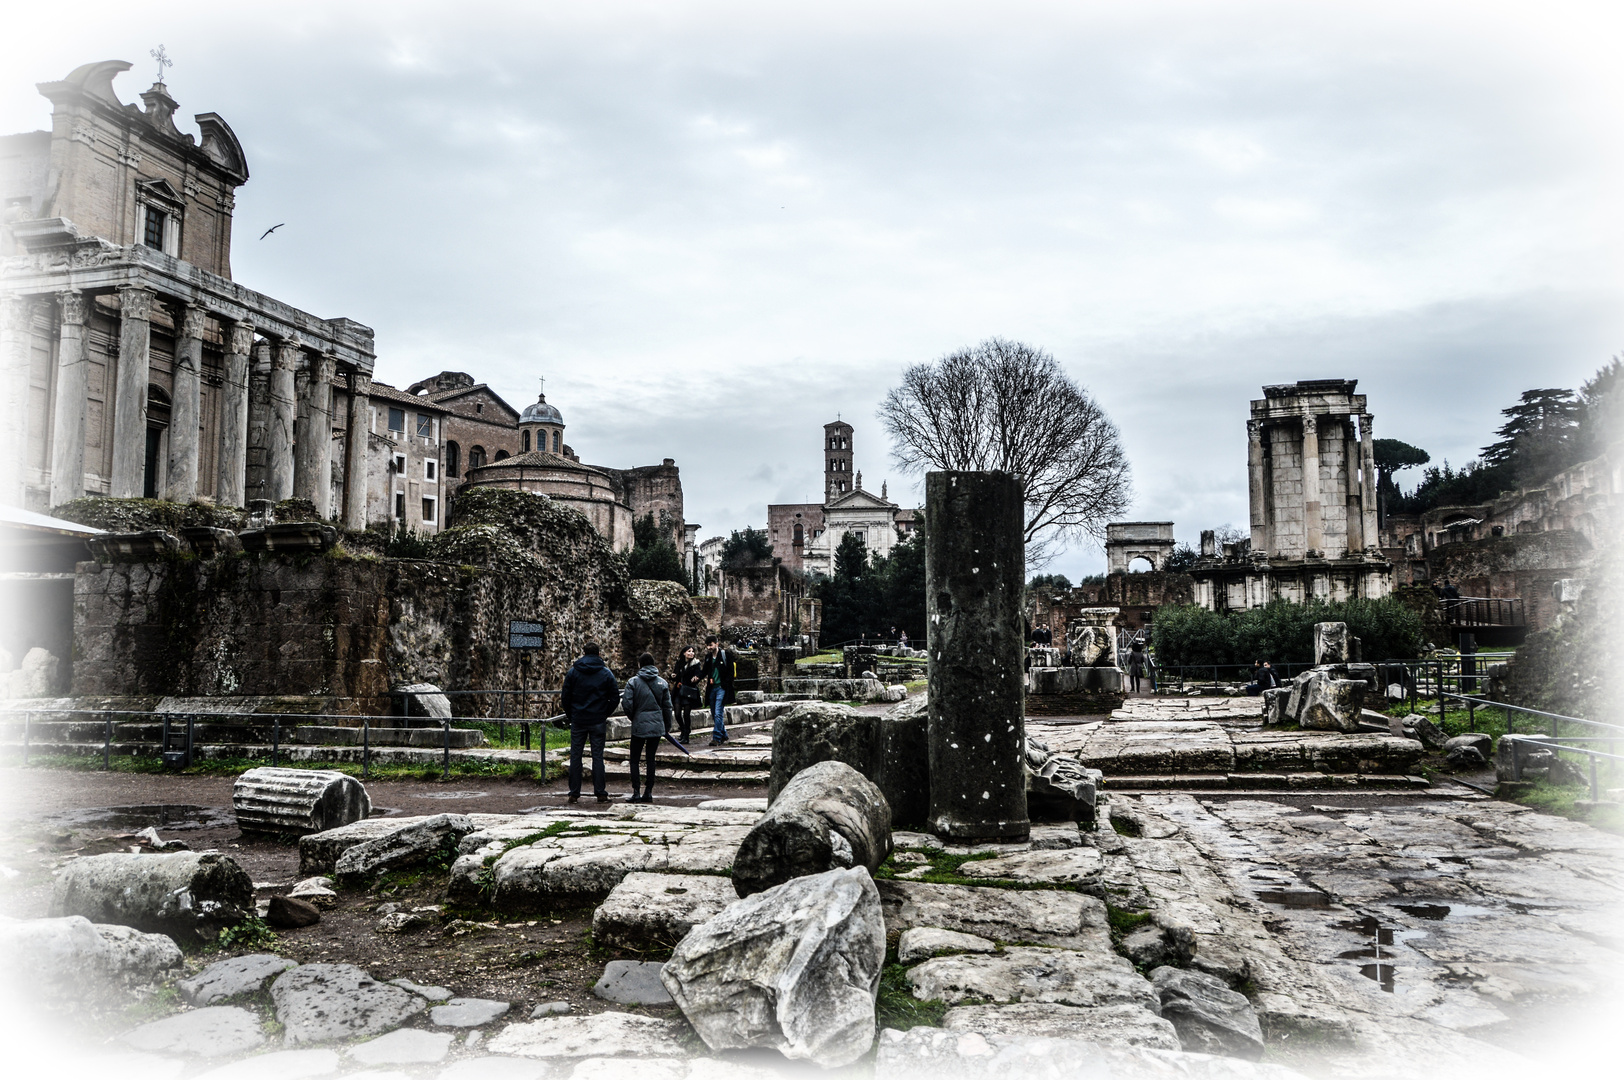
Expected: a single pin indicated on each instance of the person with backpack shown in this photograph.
(647, 701)
(720, 665)
(686, 676)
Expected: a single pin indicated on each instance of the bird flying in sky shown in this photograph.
(272, 229)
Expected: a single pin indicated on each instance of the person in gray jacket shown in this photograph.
(647, 701)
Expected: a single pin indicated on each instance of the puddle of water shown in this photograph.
(1425, 911)
(1295, 898)
(1381, 974)
(168, 817)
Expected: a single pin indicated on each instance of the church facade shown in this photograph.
(804, 536)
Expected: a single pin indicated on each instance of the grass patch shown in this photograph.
(944, 868)
(896, 1006)
(1561, 800)
(820, 658)
(253, 933)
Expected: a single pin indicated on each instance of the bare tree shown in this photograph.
(1007, 406)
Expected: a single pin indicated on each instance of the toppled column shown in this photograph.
(188, 895)
(293, 802)
(975, 568)
(829, 817)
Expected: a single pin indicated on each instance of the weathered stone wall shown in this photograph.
(346, 626)
(1524, 566)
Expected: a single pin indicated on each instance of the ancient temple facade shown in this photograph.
(1312, 489)
(131, 364)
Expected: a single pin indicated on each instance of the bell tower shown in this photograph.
(837, 474)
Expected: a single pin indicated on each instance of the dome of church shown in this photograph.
(541, 413)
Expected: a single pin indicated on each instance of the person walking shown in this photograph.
(1136, 665)
(589, 696)
(686, 676)
(647, 701)
(720, 666)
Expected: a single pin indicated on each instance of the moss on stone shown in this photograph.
(139, 515)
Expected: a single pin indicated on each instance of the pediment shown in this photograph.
(860, 500)
(160, 191)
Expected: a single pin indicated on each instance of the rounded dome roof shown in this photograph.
(539, 412)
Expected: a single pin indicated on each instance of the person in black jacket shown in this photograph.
(590, 695)
(647, 701)
(719, 665)
(686, 677)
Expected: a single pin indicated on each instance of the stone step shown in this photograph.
(234, 732)
(294, 753)
(1264, 782)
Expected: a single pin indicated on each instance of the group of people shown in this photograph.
(1264, 677)
(657, 709)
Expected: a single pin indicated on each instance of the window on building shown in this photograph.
(425, 426)
(428, 469)
(799, 537)
(476, 457)
(526, 442)
(479, 407)
(153, 233)
(400, 464)
(453, 458)
(501, 455)
(555, 442)
(400, 506)
(397, 420)
(428, 511)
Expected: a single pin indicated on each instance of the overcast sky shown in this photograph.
(713, 227)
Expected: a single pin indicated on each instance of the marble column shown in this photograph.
(16, 346)
(1313, 518)
(975, 577)
(1255, 489)
(355, 452)
(231, 489)
(1369, 490)
(279, 437)
(68, 427)
(186, 408)
(313, 454)
(130, 394)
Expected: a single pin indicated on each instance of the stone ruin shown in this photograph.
(1331, 695)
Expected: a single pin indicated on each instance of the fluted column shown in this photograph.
(1369, 492)
(186, 408)
(355, 452)
(1255, 490)
(279, 437)
(16, 332)
(130, 395)
(68, 426)
(313, 470)
(232, 486)
(1313, 518)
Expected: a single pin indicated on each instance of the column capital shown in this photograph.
(285, 356)
(1367, 424)
(1310, 425)
(360, 383)
(1254, 430)
(322, 366)
(134, 302)
(242, 337)
(194, 321)
(16, 311)
(71, 303)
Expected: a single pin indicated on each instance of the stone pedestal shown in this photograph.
(975, 567)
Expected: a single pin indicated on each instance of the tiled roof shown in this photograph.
(390, 393)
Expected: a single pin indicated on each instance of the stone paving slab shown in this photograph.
(606, 1034)
(1107, 1025)
(1050, 976)
(1050, 917)
(215, 1031)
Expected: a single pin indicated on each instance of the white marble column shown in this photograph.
(279, 437)
(1255, 487)
(68, 427)
(232, 486)
(130, 395)
(313, 454)
(1369, 491)
(1313, 518)
(186, 408)
(16, 346)
(355, 452)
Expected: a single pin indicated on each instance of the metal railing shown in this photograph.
(1470, 611)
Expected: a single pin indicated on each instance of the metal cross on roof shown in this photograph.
(162, 57)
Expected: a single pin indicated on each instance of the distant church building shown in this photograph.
(805, 535)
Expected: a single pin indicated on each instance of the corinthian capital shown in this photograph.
(134, 303)
(242, 337)
(193, 323)
(72, 306)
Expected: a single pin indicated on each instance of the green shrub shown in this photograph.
(1283, 632)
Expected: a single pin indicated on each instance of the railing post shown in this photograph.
(107, 746)
(445, 763)
(27, 718)
(191, 719)
(366, 749)
(276, 739)
(1471, 715)
(1595, 791)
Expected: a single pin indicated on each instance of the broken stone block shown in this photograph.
(293, 802)
(420, 699)
(822, 731)
(288, 913)
(74, 959)
(1320, 702)
(1332, 644)
(1058, 787)
(657, 910)
(905, 762)
(829, 816)
(35, 676)
(289, 537)
(1155, 944)
(209, 542)
(1209, 1017)
(1057, 976)
(632, 982)
(1108, 1025)
(925, 942)
(324, 1002)
(132, 546)
(185, 894)
(227, 979)
(1274, 705)
(410, 845)
(468, 1012)
(1465, 757)
(1425, 731)
(1477, 740)
(315, 890)
(796, 968)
